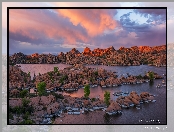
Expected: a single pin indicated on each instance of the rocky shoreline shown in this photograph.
(52, 110)
(145, 55)
(72, 78)
(53, 107)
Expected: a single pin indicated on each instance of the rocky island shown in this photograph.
(142, 55)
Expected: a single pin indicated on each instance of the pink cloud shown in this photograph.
(95, 21)
(30, 22)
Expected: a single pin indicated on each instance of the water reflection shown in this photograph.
(151, 83)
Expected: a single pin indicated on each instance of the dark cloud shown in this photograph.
(133, 26)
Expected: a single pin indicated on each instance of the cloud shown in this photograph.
(157, 15)
(95, 21)
(47, 27)
(36, 25)
(54, 31)
(132, 35)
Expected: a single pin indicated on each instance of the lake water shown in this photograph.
(149, 113)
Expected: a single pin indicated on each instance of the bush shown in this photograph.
(58, 96)
(26, 115)
(25, 79)
(23, 93)
(139, 76)
(32, 95)
(41, 88)
(96, 73)
(86, 90)
(107, 98)
(56, 69)
(151, 76)
(25, 102)
(93, 99)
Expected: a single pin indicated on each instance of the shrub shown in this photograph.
(23, 93)
(107, 98)
(86, 90)
(41, 88)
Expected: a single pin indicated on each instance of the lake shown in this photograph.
(149, 113)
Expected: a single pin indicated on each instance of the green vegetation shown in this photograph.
(23, 93)
(50, 74)
(28, 74)
(25, 102)
(96, 73)
(151, 75)
(91, 79)
(26, 115)
(58, 96)
(31, 95)
(41, 88)
(52, 80)
(139, 77)
(56, 69)
(63, 78)
(25, 79)
(81, 76)
(28, 122)
(86, 90)
(93, 99)
(107, 98)
(25, 110)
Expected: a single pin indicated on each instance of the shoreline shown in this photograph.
(122, 101)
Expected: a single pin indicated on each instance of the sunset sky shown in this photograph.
(56, 30)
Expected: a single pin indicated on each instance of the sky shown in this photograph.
(59, 30)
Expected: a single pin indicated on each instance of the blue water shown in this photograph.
(149, 113)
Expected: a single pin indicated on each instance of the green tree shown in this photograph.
(23, 93)
(41, 88)
(151, 76)
(86, 90)
(56, 69)
(107, 98)
(25, 102)
(61, 80)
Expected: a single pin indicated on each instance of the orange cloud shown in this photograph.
(95, 21)
(30, 22)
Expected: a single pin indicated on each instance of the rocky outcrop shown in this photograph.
(124, 56)
(18, 79)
